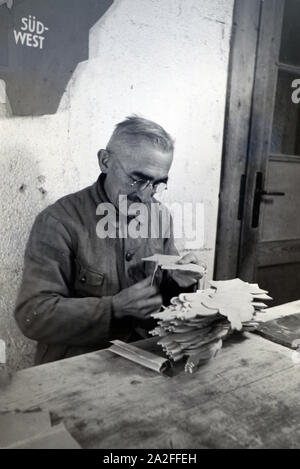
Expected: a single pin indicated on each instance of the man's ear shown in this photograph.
(103, 158)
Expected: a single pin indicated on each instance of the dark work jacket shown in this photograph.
(70, 275)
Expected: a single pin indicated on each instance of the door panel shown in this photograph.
(281, 215)
(290, 41)
(278, 253)
(270, 246)
(282, 281)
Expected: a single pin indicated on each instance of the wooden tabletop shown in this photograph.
(247, 397)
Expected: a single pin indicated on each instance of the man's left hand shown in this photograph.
(185, 278)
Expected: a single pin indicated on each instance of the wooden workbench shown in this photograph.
(247, 397)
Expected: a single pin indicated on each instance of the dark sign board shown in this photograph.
(41, 43)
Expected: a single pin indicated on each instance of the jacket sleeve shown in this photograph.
(45, 309)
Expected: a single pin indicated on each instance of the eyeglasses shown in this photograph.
(143, 184)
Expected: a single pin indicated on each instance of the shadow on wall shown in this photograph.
(40, 48)
(23, 194)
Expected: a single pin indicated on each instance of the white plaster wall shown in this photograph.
(164, 59)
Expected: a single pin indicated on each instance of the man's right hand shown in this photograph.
(139, 300)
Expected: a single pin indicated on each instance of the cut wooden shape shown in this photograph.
(196, 319)
(191, 336)
(179, 329)
(166, 341)
(227, 284)
(176, 301)
(211, 337)
(160, 331)
(161, 259)
(169, 262)
(189, 313)
(184, 267)
(173, 347)
(196, 299)
(202, 356)
(249, 328)
(259, 305)
(254, 289)
(236, 285)
(207, 351)
(200, 320)
(262, 296)
(236, 308)
(177, 356)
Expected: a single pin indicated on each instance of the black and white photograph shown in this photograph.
(149, 227)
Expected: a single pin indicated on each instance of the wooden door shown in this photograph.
(266, 234)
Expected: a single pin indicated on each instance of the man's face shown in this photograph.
(130, 166)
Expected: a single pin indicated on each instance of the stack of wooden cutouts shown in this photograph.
(195, 325)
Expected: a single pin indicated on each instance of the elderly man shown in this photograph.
(84, 281)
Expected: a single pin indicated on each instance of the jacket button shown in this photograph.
(83, 279)
(129, 256)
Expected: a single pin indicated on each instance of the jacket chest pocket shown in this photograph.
(88, 282)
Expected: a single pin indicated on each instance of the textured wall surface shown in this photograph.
(164, 59)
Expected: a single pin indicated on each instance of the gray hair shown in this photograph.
(138, 128)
